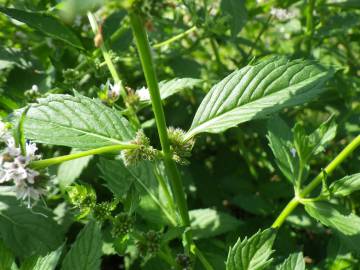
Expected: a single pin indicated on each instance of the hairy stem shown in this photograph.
(40, 164)
(175, 38)
(289, 208)
(143, 47)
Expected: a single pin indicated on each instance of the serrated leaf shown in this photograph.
(345, 186)
(86, 252)
(6, 257)
(69, 171)
(334, 217)
(206, 223)
(256, 91)
(75, 121)
(47, 262)
(280, 141)
(27, 231)
(252, 253)
(171, 87)
(47, 24)
(293, 262)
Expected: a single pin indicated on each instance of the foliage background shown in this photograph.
(233, 173)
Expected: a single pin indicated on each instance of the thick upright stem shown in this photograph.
(143, 47)
(309, 24)
(289, 208)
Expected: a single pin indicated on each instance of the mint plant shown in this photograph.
(189, 134)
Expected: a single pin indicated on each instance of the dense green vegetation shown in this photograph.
(168, 134)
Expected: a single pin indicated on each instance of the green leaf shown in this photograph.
(344, 3)
(334, 217)
(236, 11)
(206, 223)
(173, 86)
(119, 178)
(47, 262)
(293, 262)
(86, 252)
(69, 171)
(75, 121)
(47, 24)
(252, 253)
(27, 231)
(345, 186)
(256, 91)
(280, 141)
(253, 203)
(6, 257)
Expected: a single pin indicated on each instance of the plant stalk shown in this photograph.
(289, 208)
(309, 24)
(143, 47)
(41, 164)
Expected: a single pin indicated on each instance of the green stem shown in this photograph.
(309, 24)
(202, 258)
(40, 164)
(175, 38)
(106, 55)
(262, 31)
(143, 47)
(216, 51)
(347, 151)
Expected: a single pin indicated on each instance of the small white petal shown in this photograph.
(143, 93)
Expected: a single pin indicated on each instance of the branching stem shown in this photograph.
(289, 208)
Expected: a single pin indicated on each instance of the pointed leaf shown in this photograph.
(47, 24)
(86, 252)
(334, 217)
(75, 121)
(252, 253)
(345, 186)
(256, 91)
(280, 141)
(293, 262)
(47, 262)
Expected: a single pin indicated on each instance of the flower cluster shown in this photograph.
(143, 93)
(144, 152)
(181, 149)
(14, 168)
(149, 244)
(282, 14)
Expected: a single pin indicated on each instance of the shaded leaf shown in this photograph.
(47, 262)
(27, 231)
(236, 10)
(206, 223)
(47, 24)
(256, 91)
(6, 257)
(86, 252)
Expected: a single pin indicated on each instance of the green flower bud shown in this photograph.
(144, 152)
(150, 244)
(181, 148)
(82, 197)
(102, 211)
(122, 224)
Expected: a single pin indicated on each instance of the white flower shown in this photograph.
(143, 93)
(293, 152)
(114, 91)
(11, 147)
(30, 150)
(282, 14)
(26, 192)
(35, 88)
